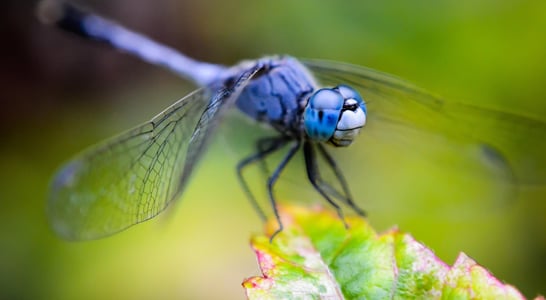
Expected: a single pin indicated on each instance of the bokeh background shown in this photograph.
(60, 94)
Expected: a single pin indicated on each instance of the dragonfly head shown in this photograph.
(334, 115)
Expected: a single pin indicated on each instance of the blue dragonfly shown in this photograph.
(311, 104)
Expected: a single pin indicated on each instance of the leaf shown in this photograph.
(316, 257)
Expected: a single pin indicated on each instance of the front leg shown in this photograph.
(348, 199)
(315, 179)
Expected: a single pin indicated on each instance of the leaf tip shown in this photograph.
(316, 256)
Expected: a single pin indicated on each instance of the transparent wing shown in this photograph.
(133, 177)
(498, 137)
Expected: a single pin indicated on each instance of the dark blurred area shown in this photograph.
(60, 94)
(42, 65)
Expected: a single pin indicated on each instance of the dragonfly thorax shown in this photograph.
(278, 94)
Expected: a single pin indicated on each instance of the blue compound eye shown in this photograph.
(334, 115)
(350, 93)
(326, 99)
(322, 114)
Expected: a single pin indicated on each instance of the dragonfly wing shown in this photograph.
(500, 137)
(134, 176)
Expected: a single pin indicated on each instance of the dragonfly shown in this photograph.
(310, 104)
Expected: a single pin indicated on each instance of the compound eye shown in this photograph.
(322, 114)
(326, 99)
(349, 93)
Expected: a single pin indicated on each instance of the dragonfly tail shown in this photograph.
(90, 26)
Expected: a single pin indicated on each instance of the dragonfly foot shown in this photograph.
(345, 224)
(275, 234)
(359, 211)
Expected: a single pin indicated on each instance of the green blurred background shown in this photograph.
(61, 94)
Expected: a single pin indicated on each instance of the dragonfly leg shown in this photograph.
(314, 177)
(261, 146)
(271, 182)
(266, 146)
(339, 175)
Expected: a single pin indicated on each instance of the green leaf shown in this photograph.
(316, 257)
